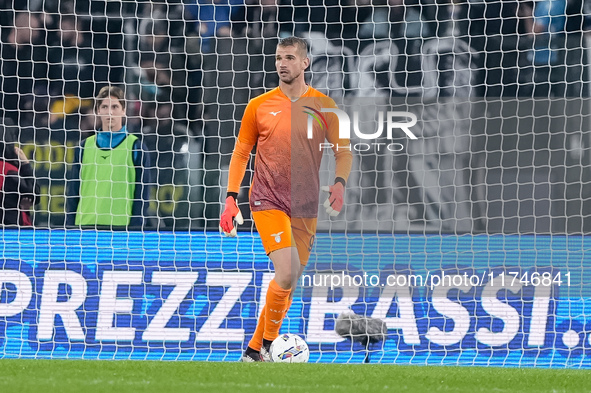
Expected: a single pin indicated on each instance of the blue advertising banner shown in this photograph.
(469, 300)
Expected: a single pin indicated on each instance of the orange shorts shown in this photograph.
(277, 230)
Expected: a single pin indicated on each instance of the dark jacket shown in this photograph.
(16, 181)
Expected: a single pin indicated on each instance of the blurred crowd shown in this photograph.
(59, 54)
(189, 63)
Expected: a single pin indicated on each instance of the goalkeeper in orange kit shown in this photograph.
(285, 189)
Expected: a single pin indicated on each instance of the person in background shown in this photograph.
(210, 19)
(110, 178)
(18, 189)
(23, 68)
(549, 29)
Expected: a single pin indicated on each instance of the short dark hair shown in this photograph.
(110, 91)
(299, 43)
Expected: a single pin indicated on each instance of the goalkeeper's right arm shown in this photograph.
(231, 215)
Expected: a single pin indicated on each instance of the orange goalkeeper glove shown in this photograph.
(335, 200)
(231, 217)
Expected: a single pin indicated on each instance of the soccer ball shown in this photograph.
(289, 348)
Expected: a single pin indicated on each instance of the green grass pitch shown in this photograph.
(148, 376)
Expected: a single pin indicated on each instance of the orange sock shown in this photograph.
(256, 342)
(275, 309)
(286, 310)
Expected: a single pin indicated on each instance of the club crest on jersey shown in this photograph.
(277, 237)
(291, 352)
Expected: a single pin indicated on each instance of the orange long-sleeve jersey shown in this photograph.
(286, 175)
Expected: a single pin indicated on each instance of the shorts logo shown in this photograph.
(311, 244)
(257, 203)
(277, 237)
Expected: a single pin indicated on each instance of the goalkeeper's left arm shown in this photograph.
(343, 163)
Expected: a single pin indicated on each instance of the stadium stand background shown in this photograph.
(521, 142)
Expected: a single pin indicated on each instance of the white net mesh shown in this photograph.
(496, 183)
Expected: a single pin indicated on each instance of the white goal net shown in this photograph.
(465, 231)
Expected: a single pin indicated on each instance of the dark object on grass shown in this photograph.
(364, 330)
